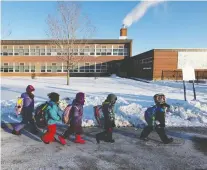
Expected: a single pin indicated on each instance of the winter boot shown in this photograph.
(144, 138)
(169, 140)
(109, 138)
(44, 141)
(14, 132)
(78, 139)
(62, 140)
(97, 138)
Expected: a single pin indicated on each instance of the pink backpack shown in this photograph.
(98, 114)
(66, 114)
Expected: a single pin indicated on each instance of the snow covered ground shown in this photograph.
(188, 151)
(133, 98)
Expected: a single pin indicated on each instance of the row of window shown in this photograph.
(55, 47)
(56, 67)
(80, 52)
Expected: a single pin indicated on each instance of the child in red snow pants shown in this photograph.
(49, 136)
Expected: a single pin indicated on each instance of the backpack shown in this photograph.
(19, 106)
(99, 115)
(150, 114)
(39, 116)
(66, 114)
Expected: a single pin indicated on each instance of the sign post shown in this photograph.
(184, 90)
(194, 92)
(188, 74)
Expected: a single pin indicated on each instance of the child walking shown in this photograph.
(52, 117)
(109, 119)
(75, 120)
(26, 112)
(160, 110)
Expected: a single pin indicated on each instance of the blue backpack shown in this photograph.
(150, 114)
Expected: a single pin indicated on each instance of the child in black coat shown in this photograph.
(159, 126)
(109, 119)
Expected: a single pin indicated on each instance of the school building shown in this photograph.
(162, 64)
(89, 57)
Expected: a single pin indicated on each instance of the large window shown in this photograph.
(7, 67)
(101, 67)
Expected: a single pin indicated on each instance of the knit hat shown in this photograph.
(54, 97)
(80, 98)
(30, 89)
(111, 98)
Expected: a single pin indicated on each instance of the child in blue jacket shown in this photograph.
(52, 117)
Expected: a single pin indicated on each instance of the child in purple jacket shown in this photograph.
(75, 120)
(27, 109)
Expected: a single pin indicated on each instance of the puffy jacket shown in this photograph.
(28, 103)
(77, 114)
(160, 113)
(52, 113)
(109, 115)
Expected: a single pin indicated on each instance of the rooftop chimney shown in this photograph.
(123, 32)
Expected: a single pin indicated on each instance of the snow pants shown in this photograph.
(49, 136)
(160, 131)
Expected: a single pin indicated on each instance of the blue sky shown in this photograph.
(172, 24)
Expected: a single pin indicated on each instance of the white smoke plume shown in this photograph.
(138, 12)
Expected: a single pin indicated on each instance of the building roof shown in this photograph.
(182, 49)
(89, 41)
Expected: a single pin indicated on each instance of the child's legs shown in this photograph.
(19, 127)
(146, 131)
(161, 133)
(68, 132)
(50, 134)
(102, 135)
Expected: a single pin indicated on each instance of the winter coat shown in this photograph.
(76, 117)
(28, 103)
(160, 113)
(109, 116)
(52, 115)
(28, 108)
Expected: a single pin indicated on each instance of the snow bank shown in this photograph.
(189, 114)
(133, 99)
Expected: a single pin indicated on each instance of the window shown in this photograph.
(16, 68)
(87, 67)
(98, 68)
(6, 67)
(49, 68)
(32, 68)
(10, 68)
(82, 68)
(21, 67)
(26, 68)
(59, 68)
(92, 68)
(75, 67)
(43, 68)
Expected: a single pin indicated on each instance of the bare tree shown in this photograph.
(68, 30)
(5, 31)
